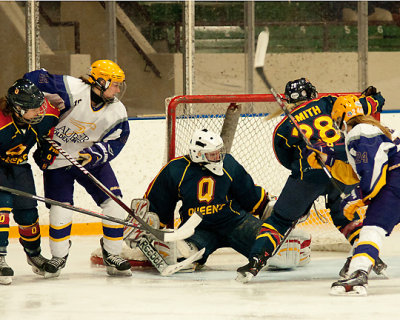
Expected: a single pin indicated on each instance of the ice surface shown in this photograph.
(86, 292)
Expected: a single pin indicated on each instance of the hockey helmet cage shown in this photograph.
(24, 95)
(203, 143)
(300, 90)
(346, 108)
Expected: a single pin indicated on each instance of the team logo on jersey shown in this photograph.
(76, 132)
(67, 134)
(82, 126)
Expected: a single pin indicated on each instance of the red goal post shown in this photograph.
(252, 146)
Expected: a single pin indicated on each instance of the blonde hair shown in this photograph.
(369, 120)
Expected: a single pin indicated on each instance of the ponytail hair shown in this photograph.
(369, 120)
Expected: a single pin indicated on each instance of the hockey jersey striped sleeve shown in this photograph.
(50, 83)
(115, 139)
(369, 150)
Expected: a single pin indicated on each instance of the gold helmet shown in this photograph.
(346, 108)
(103, 73)
(106, 70)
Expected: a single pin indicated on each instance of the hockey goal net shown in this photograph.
(248, 132)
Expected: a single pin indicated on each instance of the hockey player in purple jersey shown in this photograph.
(214, 184)
(25, 116)
(305, 184)
(93, 128)
(374, 159)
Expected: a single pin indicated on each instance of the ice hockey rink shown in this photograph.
(84, 291)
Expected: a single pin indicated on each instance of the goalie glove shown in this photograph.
(45, 154)
(352, 202)
(95, 155)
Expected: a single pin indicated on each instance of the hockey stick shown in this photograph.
(259, 60)
(165, 235)
(158, 261)
(66, 206)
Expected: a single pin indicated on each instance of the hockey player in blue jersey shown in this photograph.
(25, 116)
(305, 184)
(93, 128)
(374, 159)
(213, 183)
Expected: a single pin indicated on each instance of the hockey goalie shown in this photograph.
(143, 249)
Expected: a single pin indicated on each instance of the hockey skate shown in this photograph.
(6, 272)
(355, 285)
(247, 272)
(379, 268)
(115, 265)
(52, 268)
(37, 263)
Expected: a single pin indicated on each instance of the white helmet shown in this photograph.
(203, 143)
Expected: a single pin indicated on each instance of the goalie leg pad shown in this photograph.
(132, 235)
(294, 252)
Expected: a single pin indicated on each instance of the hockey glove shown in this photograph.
(45, 154)
(352, 202)
(370, 91)
(93, 156)
(326, 154)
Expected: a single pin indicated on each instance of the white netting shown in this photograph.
(252, 147)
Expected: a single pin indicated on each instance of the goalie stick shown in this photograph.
(259, 61)
(158, 261)
(164, 235)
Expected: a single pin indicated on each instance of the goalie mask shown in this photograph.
(300, 90)
(207, 148)
(104, 74)
(346, 108)
(24, 95)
